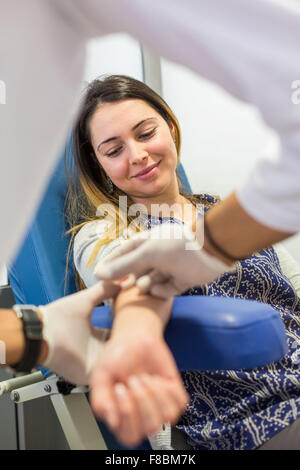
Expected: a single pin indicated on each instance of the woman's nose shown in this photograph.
(138, 154)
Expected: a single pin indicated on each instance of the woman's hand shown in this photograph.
(136, 386)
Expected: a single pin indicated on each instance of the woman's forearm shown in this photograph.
(135, 312)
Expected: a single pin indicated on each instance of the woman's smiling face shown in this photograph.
(135, 147)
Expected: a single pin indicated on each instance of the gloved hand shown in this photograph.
(74, 345)
(165, 261)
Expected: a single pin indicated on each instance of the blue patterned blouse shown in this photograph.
(240, 409)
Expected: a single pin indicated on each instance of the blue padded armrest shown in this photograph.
(218, 333)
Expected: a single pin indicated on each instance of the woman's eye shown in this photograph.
(148, 134)
(142, 136)
(115, 152)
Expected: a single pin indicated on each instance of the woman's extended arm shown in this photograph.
(136, 386)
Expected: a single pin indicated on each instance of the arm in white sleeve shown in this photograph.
(42, 61)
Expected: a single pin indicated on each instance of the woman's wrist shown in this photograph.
(139, 314)
(137, 322)
(133, 302)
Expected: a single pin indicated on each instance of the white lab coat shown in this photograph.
(251, 48)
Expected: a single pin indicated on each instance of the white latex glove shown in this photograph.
(74, 345)
(164, 261)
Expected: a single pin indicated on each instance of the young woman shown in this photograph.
(127, 146)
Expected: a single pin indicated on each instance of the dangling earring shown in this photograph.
(110, 185)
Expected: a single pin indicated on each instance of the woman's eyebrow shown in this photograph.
(117, 137)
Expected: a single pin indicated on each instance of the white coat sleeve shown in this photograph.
(42, 62)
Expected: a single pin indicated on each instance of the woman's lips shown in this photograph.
(152, 170)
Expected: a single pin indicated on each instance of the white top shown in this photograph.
(84, 244)
(249, 47)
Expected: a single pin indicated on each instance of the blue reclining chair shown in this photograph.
(204, 333)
